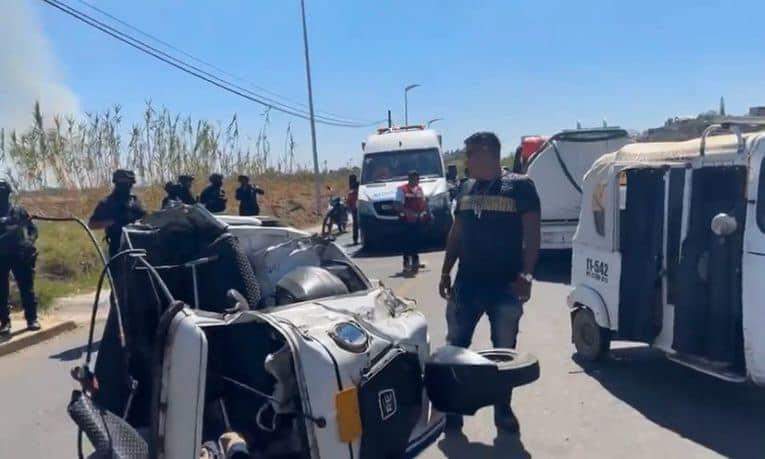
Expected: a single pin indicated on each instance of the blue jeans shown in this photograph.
(468, 302)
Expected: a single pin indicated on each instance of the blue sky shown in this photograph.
(514, 67)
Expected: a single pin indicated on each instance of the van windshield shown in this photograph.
(389, 166)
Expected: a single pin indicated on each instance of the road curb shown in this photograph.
(37, 337)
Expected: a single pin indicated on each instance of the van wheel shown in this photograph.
(592, 341)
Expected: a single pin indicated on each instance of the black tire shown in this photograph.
(516, 367)
(592, 341)
(232, 269)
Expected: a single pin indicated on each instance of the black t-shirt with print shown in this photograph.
(490, 247)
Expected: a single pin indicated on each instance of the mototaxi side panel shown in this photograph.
(182, 389)
(596, 262)
(753, 266)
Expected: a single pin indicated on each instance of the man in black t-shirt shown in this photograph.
(495, 237)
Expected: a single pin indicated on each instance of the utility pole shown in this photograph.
(317, 178)
(406, 102)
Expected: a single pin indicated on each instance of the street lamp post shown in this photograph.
(317, 178)
(406, 102)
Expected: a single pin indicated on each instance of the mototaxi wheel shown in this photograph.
(592, 342)
(521, 368)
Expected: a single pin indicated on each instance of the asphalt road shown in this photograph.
(635, 405)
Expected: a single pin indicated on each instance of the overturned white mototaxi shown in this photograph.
(227, 325)
(670, 251)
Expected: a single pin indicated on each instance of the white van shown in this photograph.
(557, 169)
(670, 251)
(389, 155)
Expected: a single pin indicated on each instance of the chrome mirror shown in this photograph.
(724, 224)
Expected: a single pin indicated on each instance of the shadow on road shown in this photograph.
(392, 251)
(457, 446)
(554, 266)
(74, 353)
(724, 417)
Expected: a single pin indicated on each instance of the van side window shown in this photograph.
(761, 199)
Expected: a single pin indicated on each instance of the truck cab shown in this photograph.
(557, 167)
(389, 155)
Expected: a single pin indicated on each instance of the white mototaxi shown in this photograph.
(231, 327)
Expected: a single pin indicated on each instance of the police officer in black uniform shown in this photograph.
(171, 195)
(214, 196)
(184, 191)
(18, 255)
(247, 195)
(117, 210)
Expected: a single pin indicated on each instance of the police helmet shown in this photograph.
(244, 178)
(122, 175)
(185, 178)
(216, 177)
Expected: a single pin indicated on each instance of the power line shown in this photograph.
(191, 69)
(196, 71)
(207, 63)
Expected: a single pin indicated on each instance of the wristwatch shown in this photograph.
(526, 276)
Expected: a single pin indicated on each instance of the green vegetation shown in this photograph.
(82, 153)
(67, 263)
(63, 169)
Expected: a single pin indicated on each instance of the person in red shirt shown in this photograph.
(351, 201)
(413, 214)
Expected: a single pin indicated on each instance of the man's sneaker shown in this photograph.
(454, 422)
(33, 325)
(5, 328)
(505, 420)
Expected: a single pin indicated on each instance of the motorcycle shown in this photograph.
(337, 215)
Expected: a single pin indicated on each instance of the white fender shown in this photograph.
(583, 296)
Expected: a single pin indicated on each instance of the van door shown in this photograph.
(753, 266)
(641, 244)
